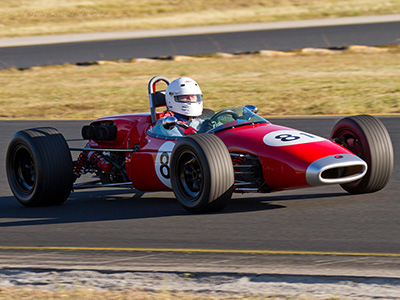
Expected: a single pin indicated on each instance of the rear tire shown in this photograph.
(39, 167)
(368, 138)
(202, 173)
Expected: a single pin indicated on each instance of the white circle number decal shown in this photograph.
(290, 137)
(162, 162)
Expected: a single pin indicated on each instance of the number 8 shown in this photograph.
(287, 137)
(164, 168)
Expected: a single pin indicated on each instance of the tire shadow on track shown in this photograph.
(92, 206)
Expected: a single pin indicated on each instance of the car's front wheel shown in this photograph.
(39, 167)
(368, 138)
(202, 173)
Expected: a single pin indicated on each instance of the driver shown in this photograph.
(184, 102)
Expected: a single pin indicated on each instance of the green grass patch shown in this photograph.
(37, 17)
(295, 83)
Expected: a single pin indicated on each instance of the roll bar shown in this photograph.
(156, 98)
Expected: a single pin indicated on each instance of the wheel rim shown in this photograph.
(190, 176)
(24, 170)
(352, 142)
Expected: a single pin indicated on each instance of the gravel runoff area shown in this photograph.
(208, 284)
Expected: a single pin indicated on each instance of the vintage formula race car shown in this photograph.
(233, 150)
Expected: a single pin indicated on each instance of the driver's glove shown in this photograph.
(205, 126)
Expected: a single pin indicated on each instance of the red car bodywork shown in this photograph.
(284, 165)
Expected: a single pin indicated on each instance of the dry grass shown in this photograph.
(91, 294)
(347, 82)
(35, 17)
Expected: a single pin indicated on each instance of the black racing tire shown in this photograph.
(202, 173)
(39, 167)
(367, 137)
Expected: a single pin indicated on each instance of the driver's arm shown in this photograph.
(205, 126)
(187, 129)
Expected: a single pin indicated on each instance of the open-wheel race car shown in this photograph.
(232, 150)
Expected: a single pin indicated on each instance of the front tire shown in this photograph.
(368, 138)
(39, 167)
(202, 173)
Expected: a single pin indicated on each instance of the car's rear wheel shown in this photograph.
(39, 167)
(202, 173)
(368, 138)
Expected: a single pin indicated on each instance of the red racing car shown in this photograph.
(234, 150)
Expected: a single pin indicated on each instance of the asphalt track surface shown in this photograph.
(310, 231)
(283, 39)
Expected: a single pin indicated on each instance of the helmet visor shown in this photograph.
(188, 98)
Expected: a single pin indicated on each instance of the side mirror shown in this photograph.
(169, 122)
(252, 108)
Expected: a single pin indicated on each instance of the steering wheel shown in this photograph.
(224, 112)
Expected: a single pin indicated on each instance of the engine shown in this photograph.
(108, 166)
(100, 131)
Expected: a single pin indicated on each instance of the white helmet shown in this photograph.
(183, 96)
